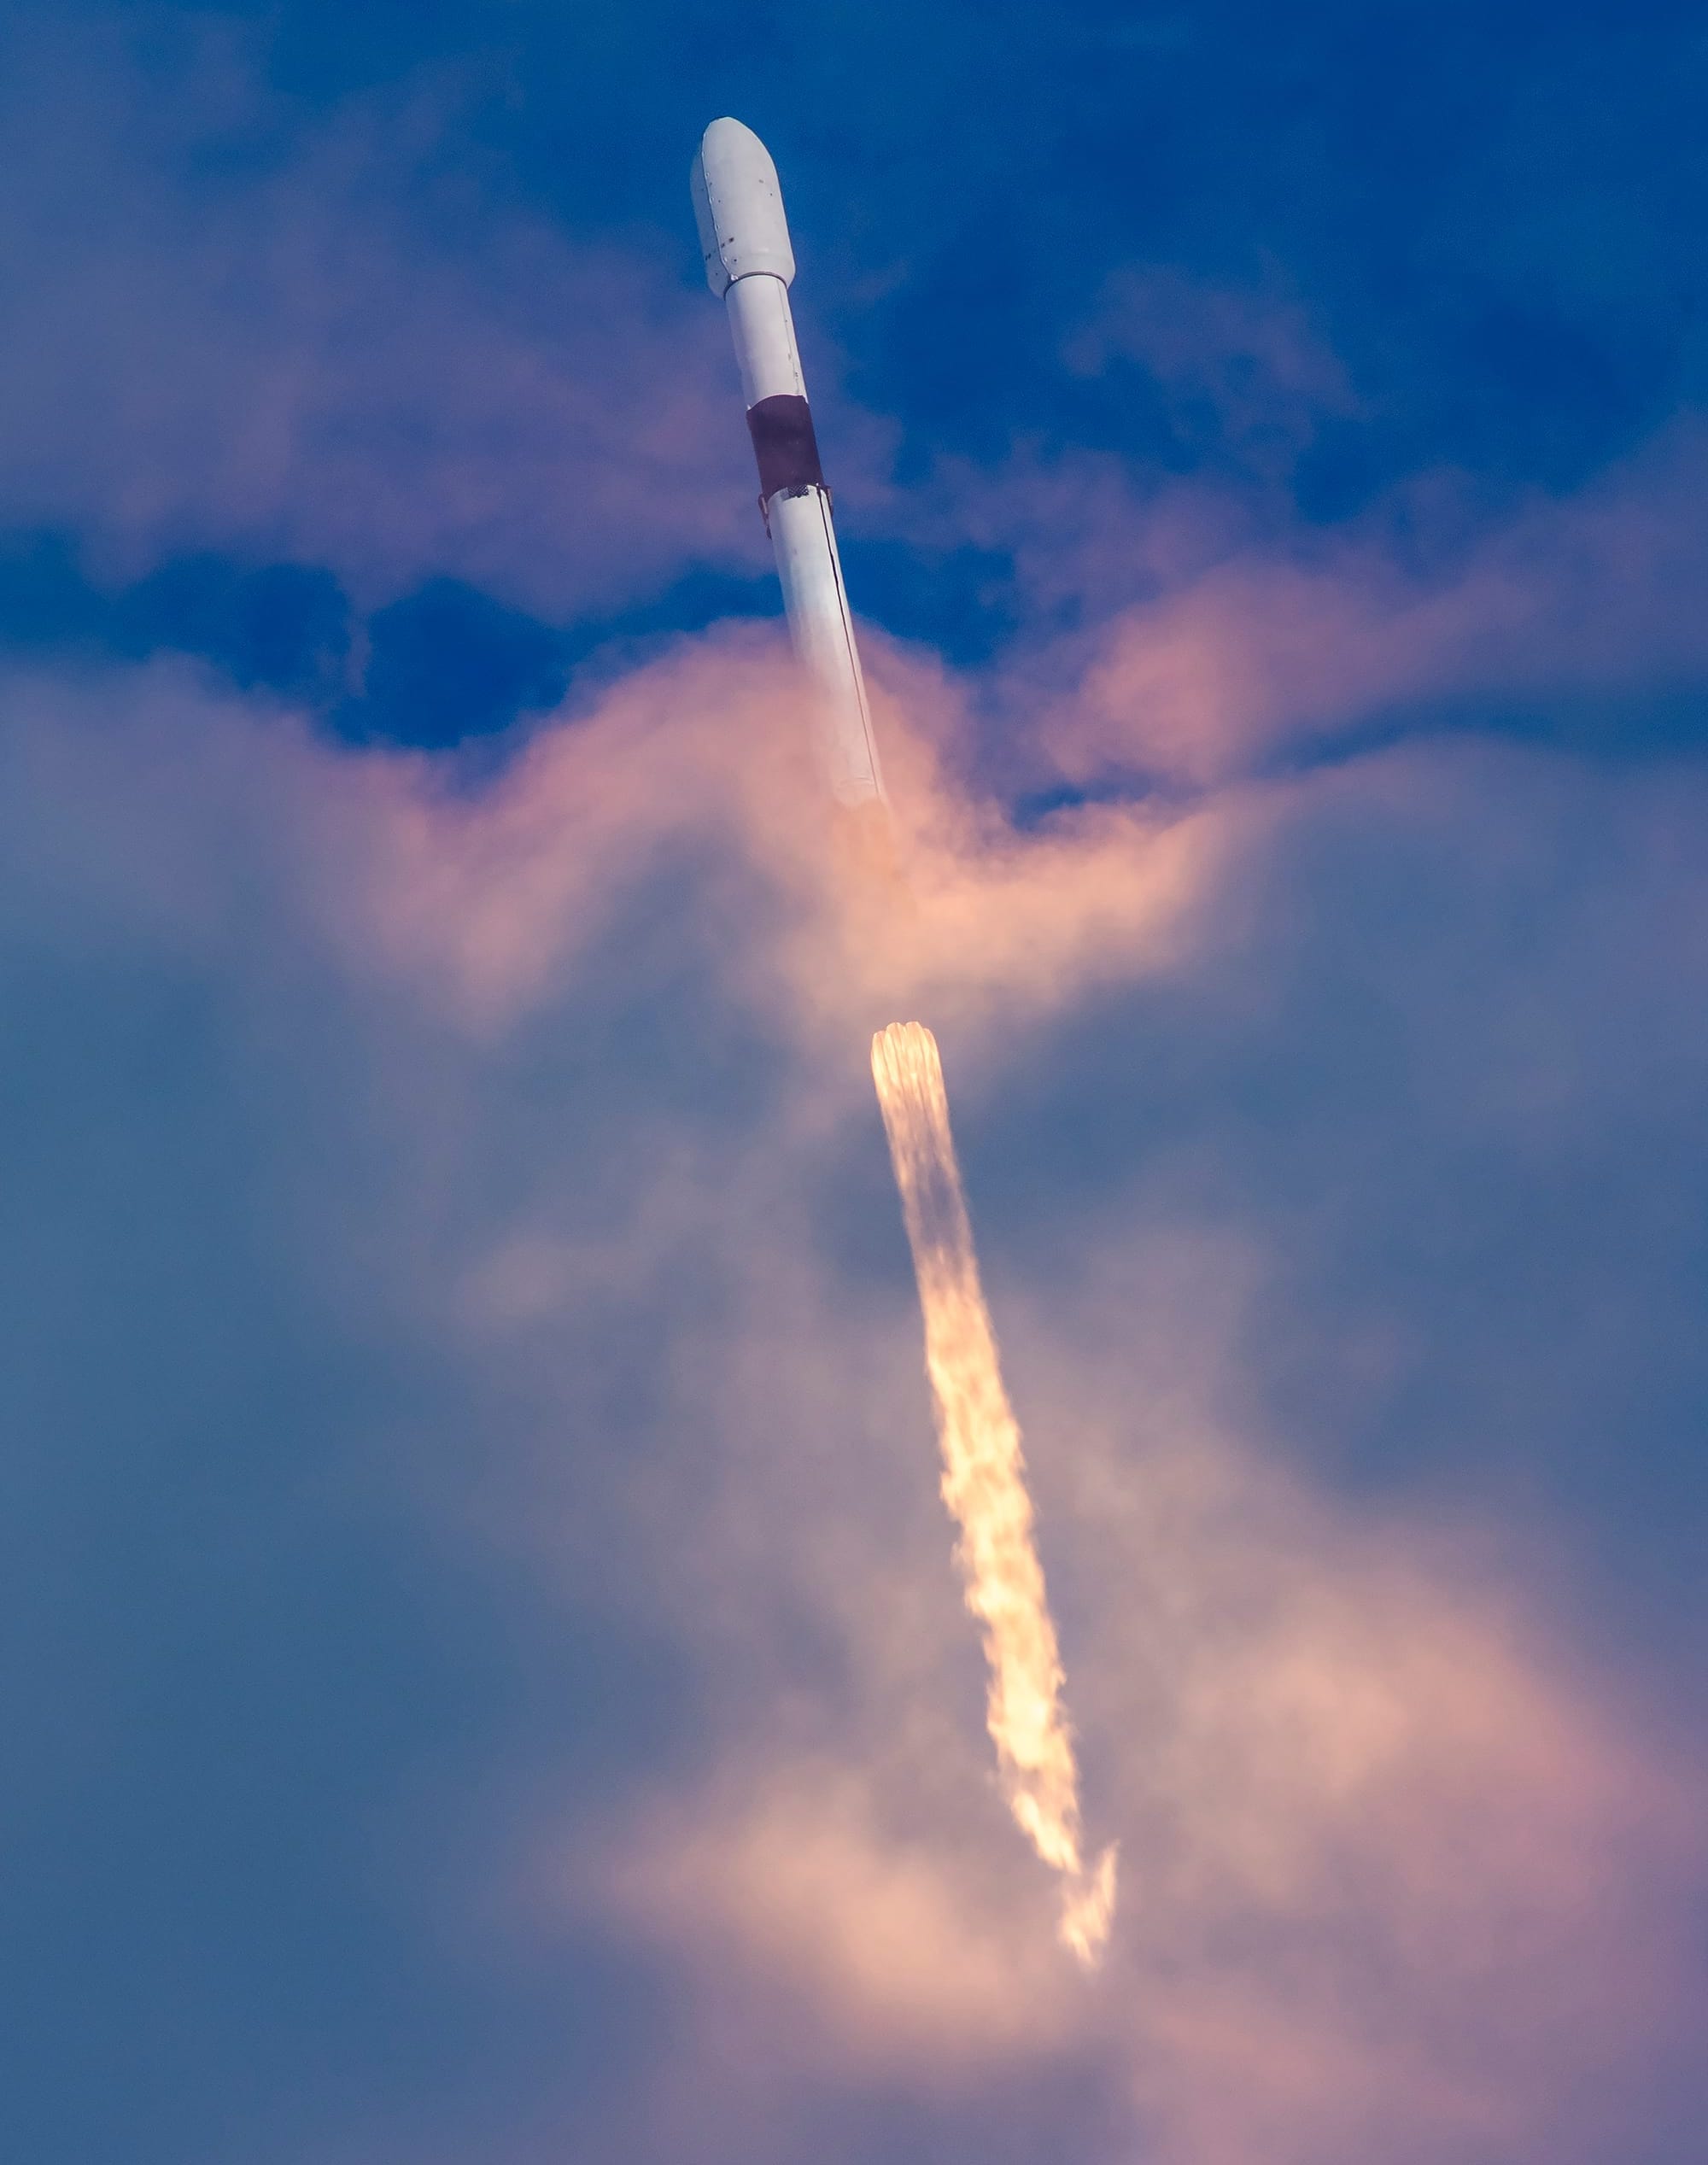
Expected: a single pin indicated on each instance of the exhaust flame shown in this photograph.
(984, 1486)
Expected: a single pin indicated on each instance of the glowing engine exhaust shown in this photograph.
(984, 1485)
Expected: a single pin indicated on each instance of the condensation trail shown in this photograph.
(984, 1485)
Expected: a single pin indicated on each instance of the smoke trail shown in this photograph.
(984, 1485)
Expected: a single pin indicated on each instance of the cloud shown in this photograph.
(335, 337)
(1244, 361)
(1257, 642)
(505, 1155)
(1401, 1877)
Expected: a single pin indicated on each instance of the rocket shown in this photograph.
(750, 266)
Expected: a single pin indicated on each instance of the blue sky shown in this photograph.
(483, 1668)
(1484, 236)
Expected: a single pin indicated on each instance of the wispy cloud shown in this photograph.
(330, 337)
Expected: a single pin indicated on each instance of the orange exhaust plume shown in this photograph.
(984, 1485)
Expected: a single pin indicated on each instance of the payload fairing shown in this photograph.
(750, 265)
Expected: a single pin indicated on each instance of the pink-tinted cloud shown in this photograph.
(241, 329)
(1401, 1879)
(1212, 624)
(1252, 637)
(1402, 1860)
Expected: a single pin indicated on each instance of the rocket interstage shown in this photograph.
(750, 265)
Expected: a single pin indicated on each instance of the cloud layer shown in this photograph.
(301, 334)
(541, 1113)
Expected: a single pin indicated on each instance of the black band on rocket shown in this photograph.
(784, 444)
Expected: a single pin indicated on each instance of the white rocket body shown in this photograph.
(749, 264)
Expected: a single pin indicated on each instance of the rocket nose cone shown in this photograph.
(731, 137)
(739, 208)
